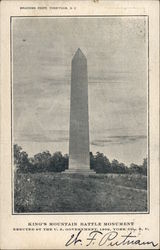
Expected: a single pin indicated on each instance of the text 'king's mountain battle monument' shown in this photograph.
(79, 158)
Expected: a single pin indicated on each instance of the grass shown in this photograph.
(60, 192)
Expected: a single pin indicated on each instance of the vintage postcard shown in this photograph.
(79, 124)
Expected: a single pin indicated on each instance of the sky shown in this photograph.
(116, 50)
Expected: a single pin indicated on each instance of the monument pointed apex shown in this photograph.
(79, 50)
(79, 54)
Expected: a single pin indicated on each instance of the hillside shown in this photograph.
(60, 192)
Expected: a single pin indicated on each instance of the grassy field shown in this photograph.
(60, 192)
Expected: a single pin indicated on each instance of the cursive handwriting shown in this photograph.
(109, 239)
(74, 239)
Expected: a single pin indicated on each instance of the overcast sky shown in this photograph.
(116, 51)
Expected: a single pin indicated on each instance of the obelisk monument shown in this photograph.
(79, 158)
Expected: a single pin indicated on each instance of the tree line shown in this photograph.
(57, 162)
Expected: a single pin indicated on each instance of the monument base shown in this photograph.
(80, 171)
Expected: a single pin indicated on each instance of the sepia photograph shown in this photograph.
(80, 140)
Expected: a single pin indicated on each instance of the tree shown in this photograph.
(136, 169)
(42, 161)
(66, 160)
(21, 160)
(17, 151)
(117, 167)
(102, 163)
(58, 163)
(123, 169)
(92, 161)
(144, 166)
(114, 166)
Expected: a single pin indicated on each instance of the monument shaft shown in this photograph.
(79, 122)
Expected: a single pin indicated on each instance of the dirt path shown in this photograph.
(135, 189)
(127, 188)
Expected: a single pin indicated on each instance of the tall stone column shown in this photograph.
(79, 159)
